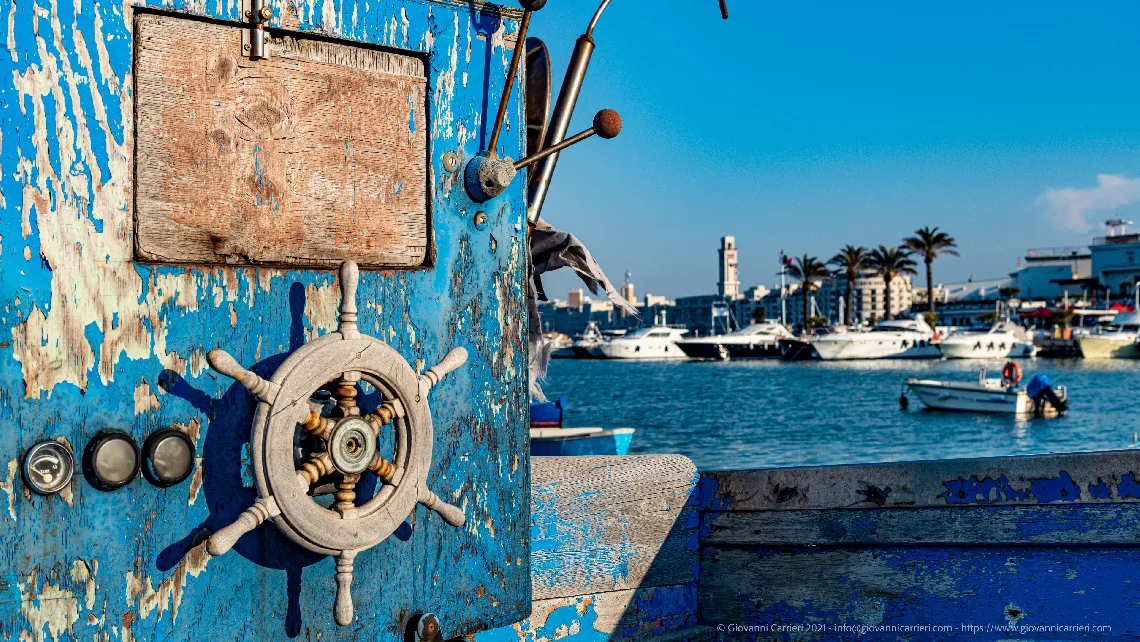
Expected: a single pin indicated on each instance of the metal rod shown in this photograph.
(598, 15)
(559, 123)
(537, 156)
(723, 10)
(520, 46)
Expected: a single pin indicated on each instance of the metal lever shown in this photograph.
(488, 175)
(607, 124)
(723, 10)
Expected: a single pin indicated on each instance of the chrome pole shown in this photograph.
(563, 111)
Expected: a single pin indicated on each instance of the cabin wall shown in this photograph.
(92, 339)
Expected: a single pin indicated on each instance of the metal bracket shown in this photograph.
(255, 39)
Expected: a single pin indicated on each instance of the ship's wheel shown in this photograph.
(297, 442)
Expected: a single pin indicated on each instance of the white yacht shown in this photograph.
(1002, 341)
(757, 340)
(656, 342)
(895, 339)
(1115, 341)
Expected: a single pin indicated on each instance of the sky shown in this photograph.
(803, 127)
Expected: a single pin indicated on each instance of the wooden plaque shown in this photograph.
(315, 155)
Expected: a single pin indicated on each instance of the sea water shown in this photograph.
(768, 413)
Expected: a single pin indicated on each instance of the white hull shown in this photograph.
(987, 349)
(865, 347)
(640, 350)
(970, 397)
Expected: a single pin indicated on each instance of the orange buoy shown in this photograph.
(1011, 374)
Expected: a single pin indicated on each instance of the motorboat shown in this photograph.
(988, 395)
(755, 341)
(893, 339)
(1115, 341)
(658, 341)
(549, 438)
(584, 345)
(1003, 340)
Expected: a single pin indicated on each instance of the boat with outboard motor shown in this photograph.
(754, 341)
(892, 339)
(990, 395)
(1002, 340)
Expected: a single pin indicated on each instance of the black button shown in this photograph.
(111, 460)
(168, 457)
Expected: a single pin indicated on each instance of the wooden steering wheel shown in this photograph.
(345, 444)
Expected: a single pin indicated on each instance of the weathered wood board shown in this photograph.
(1000, 548)
(614, 543)
(314, 155)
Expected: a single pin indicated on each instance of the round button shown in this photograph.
(168, 457)
(111, 460)
(48, 467)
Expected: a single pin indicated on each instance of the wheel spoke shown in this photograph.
(346, 493)
(318, 466)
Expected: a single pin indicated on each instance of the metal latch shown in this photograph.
(255, 39)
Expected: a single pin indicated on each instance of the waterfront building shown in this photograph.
(1115, 259)
(870, 297)
(1052, 272)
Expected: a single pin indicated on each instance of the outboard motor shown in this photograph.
(1040, 390)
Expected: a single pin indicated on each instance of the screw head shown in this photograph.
(450, 161)
(245, 46)
(480, 220)
(428, 628)
(266, 13)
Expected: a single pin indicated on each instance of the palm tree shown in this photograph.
(889, 262)
(851, 261)
(810, 272)
(930, 243)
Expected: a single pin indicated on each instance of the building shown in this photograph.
(729, 285)
(627, 292)
(1050, 273)
(870, 297)
(1115, 259)
(575, 299)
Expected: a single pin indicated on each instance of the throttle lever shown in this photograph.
(488, 175)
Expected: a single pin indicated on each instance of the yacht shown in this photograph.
(895, 339)
(756, 340)
(1115, 341)
(584, 345)
(1003, 340)
(656, 342)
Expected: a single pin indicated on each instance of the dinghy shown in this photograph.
(1003, 396)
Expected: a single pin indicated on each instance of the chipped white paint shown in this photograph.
(9, 487)
(168, 595)
(49, 611)
(82, 573)
(145, 400)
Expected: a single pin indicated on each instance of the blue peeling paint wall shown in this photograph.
(92, 340)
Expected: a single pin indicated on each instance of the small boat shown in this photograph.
(549, 439)
(1003, 340)
(755, 341)
(894, 339)
(985, 395)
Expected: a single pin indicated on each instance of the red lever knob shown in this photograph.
(607, 123)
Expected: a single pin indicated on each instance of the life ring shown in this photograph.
(1011, 374)
(937, 336)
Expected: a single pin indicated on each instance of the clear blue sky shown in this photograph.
(803, 127)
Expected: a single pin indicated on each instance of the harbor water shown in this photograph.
(768, 413)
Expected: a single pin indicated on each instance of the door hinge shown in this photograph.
(255, 38)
